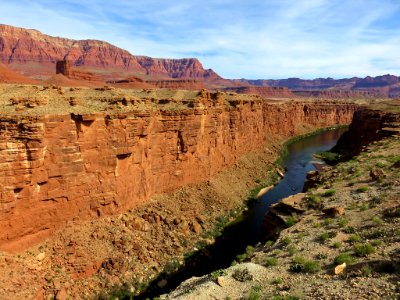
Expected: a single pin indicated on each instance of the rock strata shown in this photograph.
(55, 168)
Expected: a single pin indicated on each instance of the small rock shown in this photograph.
(221, 280)
(61, 294)
(41, 256)
(334, 211)
(340, 268)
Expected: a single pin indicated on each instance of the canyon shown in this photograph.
(72, 164)
(114, 167)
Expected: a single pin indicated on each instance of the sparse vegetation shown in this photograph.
(362, 189)
(242, 275)
(344, 258)
(329, 193)
(276, 280)
(364, 249)
(290, 221)
(270, 261)
(355, 238)
(255, 293)
(300, 264)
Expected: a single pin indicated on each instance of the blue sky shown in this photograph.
(238, 39)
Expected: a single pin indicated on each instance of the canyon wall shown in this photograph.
(56, 168)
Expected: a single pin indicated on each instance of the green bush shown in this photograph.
(362, 189)
(337, 245)
(355, 238)
(329, 193)
(276, 280)
(255, 293)
(342, 222)
(291, 250)
(314, 201)
(290, 221)
(242, 275)
(300, 264)
(328, 221)
(270, 261)
(364, 249)
(344, 258)
(217, 273)
(323, 237)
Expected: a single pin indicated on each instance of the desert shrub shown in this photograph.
(366, 270)
(344, 258)
(349, 229)
(242, 275)
(276, 280)
(329, 193)
(270, 261)
(291, 250)
(337, 245)
(300, 264)
(355, 238)
(364, 206)
(362, 189)
(342, 222)
(217, 273)
(376, 243)
(376, 220)
(323, 237)
(314, 201)
(364, 249)
(290, 221)
(328, 221)
(286, 240)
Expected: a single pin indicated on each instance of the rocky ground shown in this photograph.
(343, 242)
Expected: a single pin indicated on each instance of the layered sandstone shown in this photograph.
(64, 67)
(264, 91)
(55, 168)
(367, 126)
(21, 48)
(184, 84)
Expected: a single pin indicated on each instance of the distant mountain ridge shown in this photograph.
(20, 48)
(385, 85)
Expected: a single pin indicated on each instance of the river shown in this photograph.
(235, 238)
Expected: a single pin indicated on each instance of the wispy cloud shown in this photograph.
(252, 39)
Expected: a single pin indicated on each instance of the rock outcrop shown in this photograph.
(64, 67)
(367, 126)
(55, 168)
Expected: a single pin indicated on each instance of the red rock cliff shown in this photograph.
(19, 46)
(56, 168)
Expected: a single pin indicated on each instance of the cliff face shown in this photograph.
(21, 47)
(367, 126)
(57, 168)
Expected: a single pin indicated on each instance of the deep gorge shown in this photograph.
(57, 168)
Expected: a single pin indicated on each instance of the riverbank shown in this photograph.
(350, 217)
